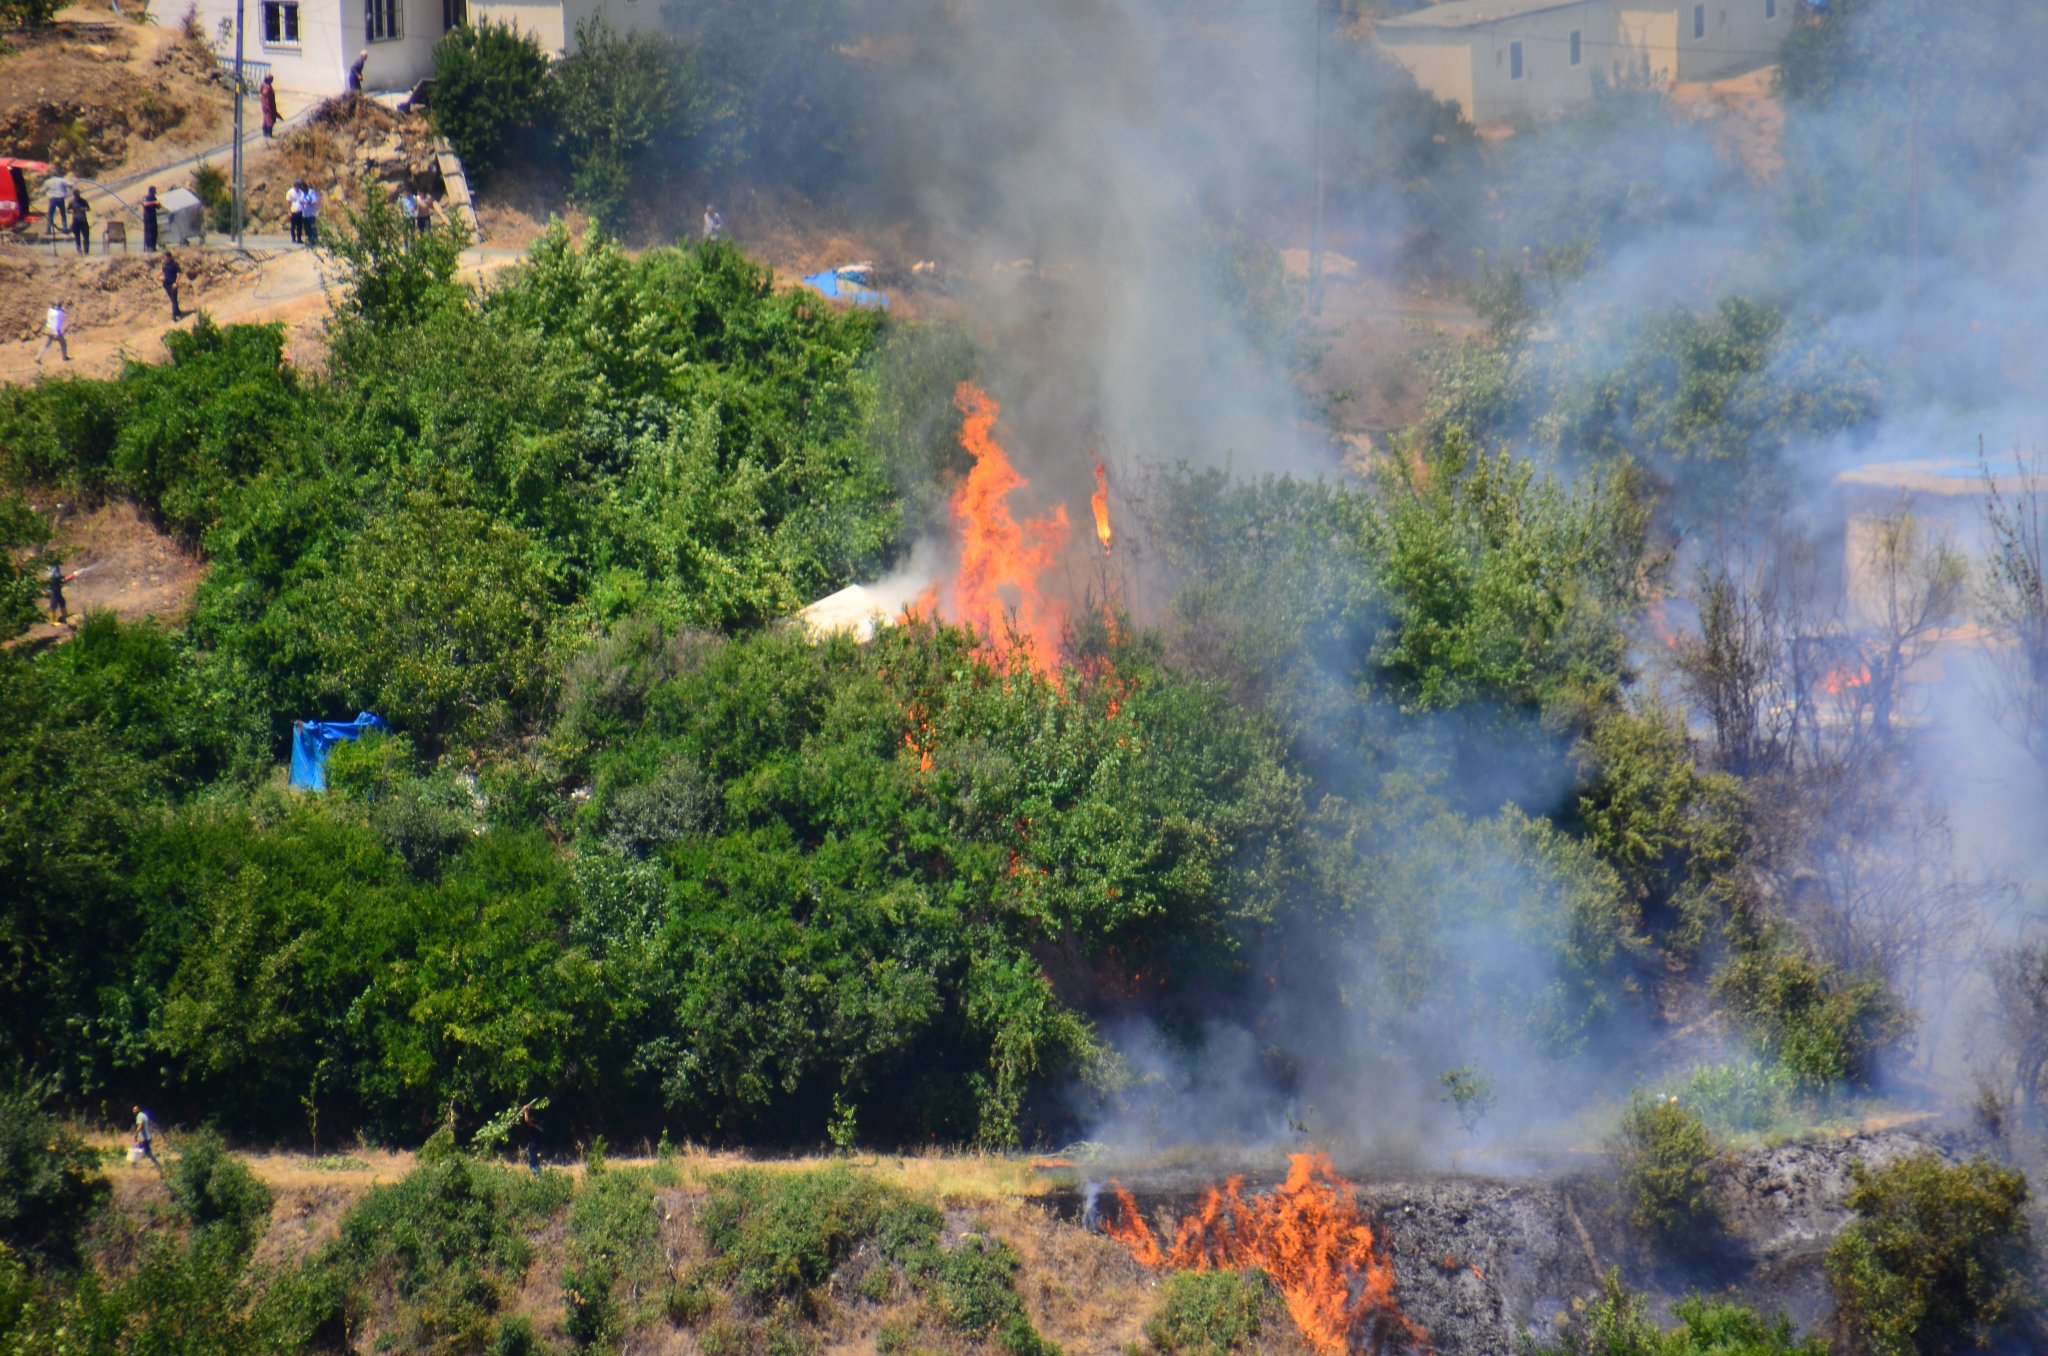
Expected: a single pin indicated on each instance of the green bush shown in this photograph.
(611, 1240)
(1667, 1157)
(1938, 1259)
(447, 1242)
(779, 1235)
(491, 94)
(1741, 1097)
(1208, 1313)
(28, 14)
(212, 186)
(50, 1179)
(217, 1193)
(1618, 1324)
(623, 104)
(1824, 1026)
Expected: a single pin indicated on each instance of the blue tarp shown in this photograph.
(846, 289)
(311, 739)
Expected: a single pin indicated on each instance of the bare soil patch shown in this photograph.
(96, 95)
(129, 567)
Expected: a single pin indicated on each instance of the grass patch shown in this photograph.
(1208, 1313)
(339, 1163)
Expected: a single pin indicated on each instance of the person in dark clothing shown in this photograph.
(171, 272)
(81, 222)
(532, 1131)
(53, 589)
(355, 72)
(149, 210)
(266, 99)
(422, 214)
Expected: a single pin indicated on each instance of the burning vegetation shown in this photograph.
(1310, 1235)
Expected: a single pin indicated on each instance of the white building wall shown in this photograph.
(330, 33)
(1550, 81)
(1705, 39)
(553, 23)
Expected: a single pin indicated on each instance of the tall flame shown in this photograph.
(1310, 1235)
(1099, 501)
(997, 587)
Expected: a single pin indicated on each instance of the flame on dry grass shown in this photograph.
(1310, 1236)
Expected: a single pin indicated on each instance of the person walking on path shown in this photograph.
(57, 189)
(81, 222)
(532, 1129)
(309, 208)
(56, 321)
(266, 99)
(171, 272)
(355, 72)
(53, 593)
(714, 224)
(145, 1136)
(149, 210)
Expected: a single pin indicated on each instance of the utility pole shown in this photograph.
(238, 123)
(1315, 228)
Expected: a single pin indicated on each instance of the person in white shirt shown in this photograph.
(309, 207)
(295, 204)
(55, 323)
(714, 224)
(57, 189)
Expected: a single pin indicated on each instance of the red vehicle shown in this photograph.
(14, 198)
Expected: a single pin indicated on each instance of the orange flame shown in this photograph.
(1310, 1235)
(996, 590)
(1099, 501)
(1844, 680)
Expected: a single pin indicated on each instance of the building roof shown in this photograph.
(1473, 13)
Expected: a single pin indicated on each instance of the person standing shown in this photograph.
(423, 213)
(56, 322)
(355, 72)
(714, 224)
(57, 189)
(309, 208)
(145, 1136)
(531, 1127)
(266, 99)
(295, 204)
(171, 272)
(81, 223)
(406, 203)
(53, 593)
(149, 210)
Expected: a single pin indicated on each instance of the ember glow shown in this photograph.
(1844, 681)
(998, 589)
(1310, 1235)
(1099, 501)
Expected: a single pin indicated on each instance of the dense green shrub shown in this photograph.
(779, 1235)
(50, 1179)
(611, 1244)
(217, 1194)
(1826, 1027)
(623, 102)
(1618, 1324)
(1667, 1157)
(1938, 1259)
(1208, 1313)
(491, 94)
(447, 1241)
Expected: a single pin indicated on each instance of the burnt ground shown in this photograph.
(130, 567)
(1479, 1261)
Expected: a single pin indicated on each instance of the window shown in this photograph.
(1514, 61)
(1577, 54)
(454, 14)
(280, 23)
(1770, 9)
(1699, 21)
(380, 20)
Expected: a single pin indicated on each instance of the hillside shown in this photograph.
(692, 1251)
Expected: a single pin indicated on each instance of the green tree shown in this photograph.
(391, 275)
(50, 1179)
(491, 94)
(1667, 1160)
(623, 103)
(1938, 1259)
